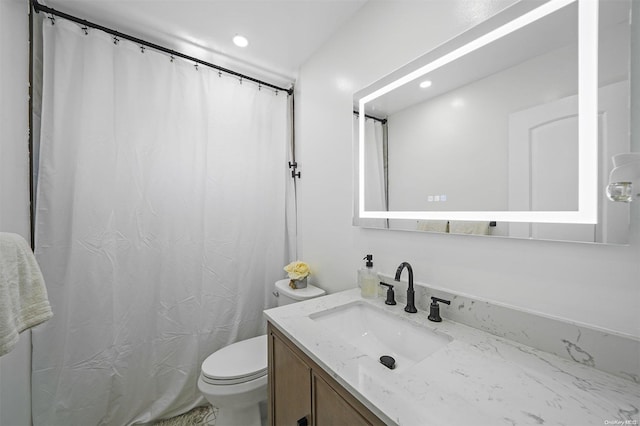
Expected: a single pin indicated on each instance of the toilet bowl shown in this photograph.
(234, 378)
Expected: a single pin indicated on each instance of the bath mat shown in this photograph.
(199, 416)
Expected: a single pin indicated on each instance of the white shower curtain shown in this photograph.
(375, 194)
(160, 225)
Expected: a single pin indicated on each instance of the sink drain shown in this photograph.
(388, 361)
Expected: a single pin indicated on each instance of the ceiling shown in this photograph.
(282, 34)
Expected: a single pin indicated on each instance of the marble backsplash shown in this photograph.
(602, 349)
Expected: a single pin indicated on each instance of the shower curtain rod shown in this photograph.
(42, 8)
(381, 120)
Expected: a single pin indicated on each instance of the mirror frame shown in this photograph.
(502, 24)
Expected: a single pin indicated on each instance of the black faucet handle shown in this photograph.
(434, 309)
(390, 294)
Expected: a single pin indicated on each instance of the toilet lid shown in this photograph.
(308, 292)
(237, 363)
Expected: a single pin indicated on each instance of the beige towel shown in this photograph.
(433, 225)
(23, 295)
(464, 227)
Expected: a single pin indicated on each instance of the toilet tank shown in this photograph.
(287, 295)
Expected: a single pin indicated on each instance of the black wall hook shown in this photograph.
(294, 165)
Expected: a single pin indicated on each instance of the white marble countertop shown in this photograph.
(477, 379)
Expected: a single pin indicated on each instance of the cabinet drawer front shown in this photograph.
(330, 409)
(290, 385)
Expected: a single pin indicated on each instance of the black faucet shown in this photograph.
(411, 307)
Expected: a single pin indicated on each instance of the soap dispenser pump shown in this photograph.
(368, 279)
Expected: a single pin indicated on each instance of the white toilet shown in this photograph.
(234, 378)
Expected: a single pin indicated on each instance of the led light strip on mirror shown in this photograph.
(587, 212)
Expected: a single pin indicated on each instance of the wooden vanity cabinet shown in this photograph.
(301, 393)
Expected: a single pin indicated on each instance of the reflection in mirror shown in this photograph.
(376, 168)
(497, 130)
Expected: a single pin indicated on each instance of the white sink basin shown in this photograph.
(377, 332)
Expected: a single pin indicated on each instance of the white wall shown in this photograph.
(593, 284)
(15, 391)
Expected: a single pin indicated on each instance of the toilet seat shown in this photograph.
(237, 363)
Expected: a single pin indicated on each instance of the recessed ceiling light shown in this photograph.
(240, 41)
(425, 84)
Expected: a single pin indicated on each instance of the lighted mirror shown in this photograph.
(506, 130)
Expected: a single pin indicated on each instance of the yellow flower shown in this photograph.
(297, 270)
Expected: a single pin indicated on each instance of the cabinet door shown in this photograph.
(330, 409)
(290, 386)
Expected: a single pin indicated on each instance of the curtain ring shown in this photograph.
(86, 30)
